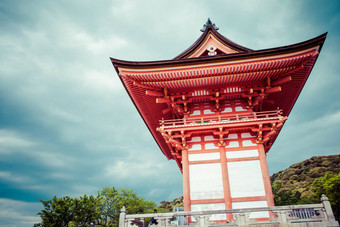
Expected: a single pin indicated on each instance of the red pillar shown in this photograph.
(226, 185)
(186, 181)
(266, 177)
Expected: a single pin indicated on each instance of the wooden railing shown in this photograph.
(221, 119)
(296, 215)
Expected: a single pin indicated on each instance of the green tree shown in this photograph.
(283, 196)
(112, 201)
(85, 210)
(103, 209)
(57, 212)
(329, 185)
(68, 211)
(107, 198)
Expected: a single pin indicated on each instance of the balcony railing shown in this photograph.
(296, 215)
(222, 119)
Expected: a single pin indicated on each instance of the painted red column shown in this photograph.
(186, 181)
(266, 177)
(226, 185)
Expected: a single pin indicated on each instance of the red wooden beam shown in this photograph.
(162, 100)
(273, 89)
(154, 93)
(165, 111)
(281, 80)
(137, 84)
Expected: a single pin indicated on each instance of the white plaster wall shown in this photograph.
(195, 112)
(204, 156)
(211, 206)
(208, 146)
(248, 143)
(227, 110)
(195, 147)
(245, 179)
(239, 108)
(233, 144)
(195, 139)
(242, 154)
(209, 138)
(206, 181)
(232, 136)
(246, 135)
(253, 204)
(207, 111)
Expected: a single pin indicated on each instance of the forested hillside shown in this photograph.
(306, 181)
(294, 185)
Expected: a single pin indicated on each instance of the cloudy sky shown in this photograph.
(67, 126)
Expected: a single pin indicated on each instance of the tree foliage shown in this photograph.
(167, 206)
(330, 186)
(57, 212)
(103, 210)
(112, 201)
(305, 182)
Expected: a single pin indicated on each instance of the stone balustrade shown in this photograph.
(295, 215)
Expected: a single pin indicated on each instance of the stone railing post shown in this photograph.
(329, 212)
(241, 219)
(202, 220)
(162, 221)
(122, 216)
(283, 217)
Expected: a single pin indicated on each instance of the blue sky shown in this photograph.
(67, 126)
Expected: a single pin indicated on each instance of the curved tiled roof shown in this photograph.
(243, 67)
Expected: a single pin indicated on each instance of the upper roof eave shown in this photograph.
(314, 42)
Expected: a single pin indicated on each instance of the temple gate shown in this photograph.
(216, 109)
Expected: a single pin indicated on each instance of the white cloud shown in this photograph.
(137, 167)
(15, 213)
(10, 140)
(18, 179)
(323, 122)
(57, 112)
(16, 146)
